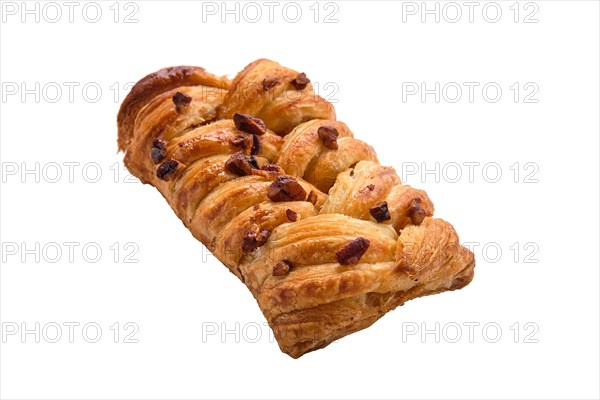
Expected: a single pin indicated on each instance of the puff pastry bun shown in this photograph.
(262, 173)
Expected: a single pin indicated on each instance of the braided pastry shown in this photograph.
(259, 170)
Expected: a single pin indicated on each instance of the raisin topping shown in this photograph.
(291, 215)
(312, 197)
(181, 100)
(286, 188)
(160, 144)
(370, 186)
(158, 155)
(240, 164)
(300, 81)
(166, 170)
(416, 213)
(253, 240)
(242, 141)
(282, 268)
(269, 83)
(272, 168)
(351, 253)
(328, 134)
(253, 162)
(159, 150)
(262, 237)
(380, 211)
(249, 124)
(249, 242)
(256, 145)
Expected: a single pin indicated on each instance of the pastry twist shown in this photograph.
(259, 170)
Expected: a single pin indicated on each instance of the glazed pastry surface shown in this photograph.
(262, 173)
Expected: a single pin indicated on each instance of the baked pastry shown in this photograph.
(262, 173)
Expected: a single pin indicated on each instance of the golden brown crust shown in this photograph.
(157, 83)
(279, 103)
(326, 239)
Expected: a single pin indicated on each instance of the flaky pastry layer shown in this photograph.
(262, 173)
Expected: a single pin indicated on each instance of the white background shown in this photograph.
(176, 294)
